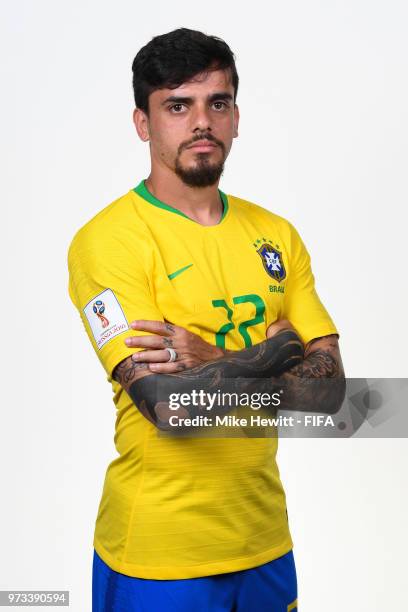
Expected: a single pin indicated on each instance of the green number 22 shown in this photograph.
(254, 299)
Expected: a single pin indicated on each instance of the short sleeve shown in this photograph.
(109, 286)
(302, 305)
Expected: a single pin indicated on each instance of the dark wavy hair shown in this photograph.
(171, 59)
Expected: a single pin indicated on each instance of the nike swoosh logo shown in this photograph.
(177, 272)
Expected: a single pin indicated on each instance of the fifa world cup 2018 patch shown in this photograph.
(105, 317)
(271, 259)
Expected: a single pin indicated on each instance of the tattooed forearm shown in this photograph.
(312, 381)
(318, 364)
(150, 392)
(318, 383)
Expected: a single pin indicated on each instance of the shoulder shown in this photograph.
(249, 210)
(116, 223)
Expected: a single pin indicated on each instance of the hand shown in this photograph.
(279, 325)
(191, 349)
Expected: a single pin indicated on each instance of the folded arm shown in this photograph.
(317, 383)
(233, 373)
(312, 380)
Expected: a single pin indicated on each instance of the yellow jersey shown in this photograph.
(175, 508)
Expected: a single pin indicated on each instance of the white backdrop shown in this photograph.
(323, 142)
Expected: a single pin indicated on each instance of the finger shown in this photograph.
(277, 326)
(155, 342)
(151, 356)
(167, 368)
(157, 327)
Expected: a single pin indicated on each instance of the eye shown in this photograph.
(176, 108)
(219, 104)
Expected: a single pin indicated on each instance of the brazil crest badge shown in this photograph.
(272, 261)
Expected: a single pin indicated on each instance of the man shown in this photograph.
(221, 295)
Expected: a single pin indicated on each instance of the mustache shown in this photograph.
(208, 137)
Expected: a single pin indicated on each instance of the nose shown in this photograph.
(200, 119)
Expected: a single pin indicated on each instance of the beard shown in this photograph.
(205, 172)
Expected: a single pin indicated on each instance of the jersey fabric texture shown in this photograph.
(183, 508)
(270, 586)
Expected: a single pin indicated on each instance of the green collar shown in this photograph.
(142, 190)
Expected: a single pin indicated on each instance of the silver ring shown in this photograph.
(172, 354)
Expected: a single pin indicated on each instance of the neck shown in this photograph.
(202, 204)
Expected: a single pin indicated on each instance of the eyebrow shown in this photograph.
(221, 95)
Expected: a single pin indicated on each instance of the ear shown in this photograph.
(236, 120)
(141, 121)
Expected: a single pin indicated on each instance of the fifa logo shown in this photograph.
(99, 308)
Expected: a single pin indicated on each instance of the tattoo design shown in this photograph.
(318, 383)
(320, 363)
(314, 383)
(125, 370)
(237, 372)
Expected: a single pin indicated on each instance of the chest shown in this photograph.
(227, 286)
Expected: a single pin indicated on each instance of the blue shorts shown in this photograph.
(271, 587)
